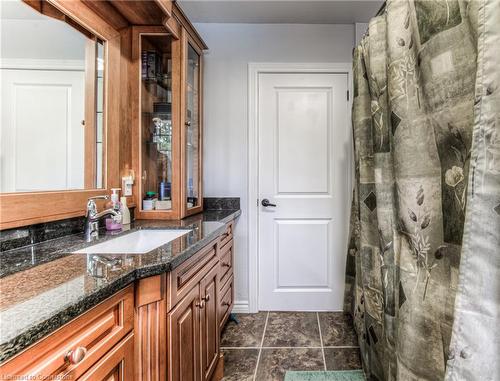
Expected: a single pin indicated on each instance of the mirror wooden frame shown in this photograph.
(21, 209)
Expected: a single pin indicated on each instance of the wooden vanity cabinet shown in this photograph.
(177, 323)
(164, 327)
(226, 283)
(82, 345)
(193, 323)
(184, 349)
(116, 365)
(209, 322)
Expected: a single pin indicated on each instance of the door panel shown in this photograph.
(303, 169)
(209, 322)
(184, 348)
(290, 259)
(303, 153)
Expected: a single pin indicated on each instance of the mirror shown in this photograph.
(52, 128)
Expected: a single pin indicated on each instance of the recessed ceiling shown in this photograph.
(281, 11)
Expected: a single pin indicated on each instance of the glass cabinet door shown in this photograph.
(193, 129)
(156, 122)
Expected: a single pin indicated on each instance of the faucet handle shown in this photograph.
(91, 206)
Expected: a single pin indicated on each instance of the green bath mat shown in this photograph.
(337, 375)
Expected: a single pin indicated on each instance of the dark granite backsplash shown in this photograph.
(221, 203)
(28, 235)
(33, 234)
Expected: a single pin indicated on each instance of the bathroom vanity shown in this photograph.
(150, 316)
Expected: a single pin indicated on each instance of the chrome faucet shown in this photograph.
(92, 218)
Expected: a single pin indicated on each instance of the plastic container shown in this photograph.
(115, 222)
(148, 203)
(125, 211)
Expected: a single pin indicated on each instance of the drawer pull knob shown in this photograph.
(226, 304)
(200, 304)
(76, 356)
(226, 264)
(206, 298)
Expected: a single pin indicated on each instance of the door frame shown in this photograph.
(254, 70)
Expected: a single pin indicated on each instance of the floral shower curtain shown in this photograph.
(424, 250)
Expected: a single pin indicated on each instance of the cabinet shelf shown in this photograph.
(156, 82)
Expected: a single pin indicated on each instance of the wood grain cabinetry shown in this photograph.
(165, 75)
(226, 302)
(226, 284)
(116, 365)
(193, 322)
(209, 322)
(150, 329)
(69, 352)
(184, 338)
(164, 327)
(182, 279)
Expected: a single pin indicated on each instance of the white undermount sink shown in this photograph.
(138, 242)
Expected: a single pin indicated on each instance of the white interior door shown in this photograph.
(303, 170)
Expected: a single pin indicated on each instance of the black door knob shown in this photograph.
(265, 202)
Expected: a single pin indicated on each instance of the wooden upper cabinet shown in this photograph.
(165, 100)
(156, 105)
(191, 99)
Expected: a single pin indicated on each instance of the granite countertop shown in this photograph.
(44, 286)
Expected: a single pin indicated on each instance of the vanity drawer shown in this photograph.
(227, 236)
(74, 348)
(226, 302)
(226, 263)
(182, 279)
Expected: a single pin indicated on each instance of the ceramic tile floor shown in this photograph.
(263, 346)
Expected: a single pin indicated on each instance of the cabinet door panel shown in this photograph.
(116, 365)
(226, 302)
(184, 338)
(209, 322)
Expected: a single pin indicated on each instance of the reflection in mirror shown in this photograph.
(52, 124)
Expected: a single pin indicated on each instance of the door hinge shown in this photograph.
(347, 94)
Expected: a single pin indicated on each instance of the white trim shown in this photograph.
(240, 307)
(41, 64)
(254, 69)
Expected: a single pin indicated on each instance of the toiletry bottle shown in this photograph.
(114, 222)
(148, 201)
(190, 199)
(125, 211)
